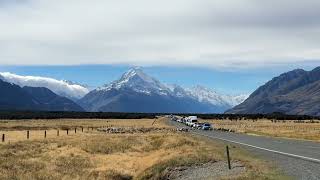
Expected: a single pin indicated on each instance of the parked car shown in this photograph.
(198, 125)
(173, 119)
(206, 126)
(192, 124)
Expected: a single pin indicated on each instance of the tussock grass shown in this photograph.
(42, 124)
(110, 144)
(287, 129)
(205, 151)
(72, 166)
(97, 155)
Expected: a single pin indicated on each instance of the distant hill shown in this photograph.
(295, 92)
(13, 97)
(136, 91)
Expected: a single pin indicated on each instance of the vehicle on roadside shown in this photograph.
(174, 118)
(183, 129)
(191, 120)
(183, 120)
(206, 126)
(198, 125)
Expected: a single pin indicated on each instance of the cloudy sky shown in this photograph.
(215, 33)
(220, 35)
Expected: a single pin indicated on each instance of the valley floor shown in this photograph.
(127, 149)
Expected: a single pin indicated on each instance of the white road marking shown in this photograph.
(265, 149)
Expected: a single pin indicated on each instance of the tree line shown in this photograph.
(72, 115)
(119, 115)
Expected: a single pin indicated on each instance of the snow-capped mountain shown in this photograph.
(136, 91)
(138, 81)
(60, 87)
(204, 94)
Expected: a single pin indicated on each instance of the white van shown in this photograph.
(191, 120)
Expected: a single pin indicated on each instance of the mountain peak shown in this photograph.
(136, 72)
(137, 86)
(135, 79)
(132, 72)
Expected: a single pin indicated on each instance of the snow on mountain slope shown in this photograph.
(60, 87)
(177, 90)
(138, 81)
(236, 100)
(204, 94)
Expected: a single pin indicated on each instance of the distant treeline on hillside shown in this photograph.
(72, 115)
(118, 115)
(275, 116)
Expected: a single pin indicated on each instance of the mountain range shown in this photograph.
(294, 92)
(136, 91)
(63, 88)
(14, 97)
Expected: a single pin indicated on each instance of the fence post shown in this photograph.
(81, 129)
(75, 130)
(27, 134)
(58, 132)
(154, 121)
(3, 137)
(67, 131)
(45, 134)
(228, 156)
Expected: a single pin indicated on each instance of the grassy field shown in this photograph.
(71, 123)
(289, 129)
(97, 155)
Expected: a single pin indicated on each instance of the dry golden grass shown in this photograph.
(288, 129)
(71, 123)
(16, 130)
(97, 155)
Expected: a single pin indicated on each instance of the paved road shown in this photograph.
(299, 159)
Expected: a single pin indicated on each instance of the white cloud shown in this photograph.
(59, 87)
(210, 33)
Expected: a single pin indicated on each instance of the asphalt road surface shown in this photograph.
(297, 158)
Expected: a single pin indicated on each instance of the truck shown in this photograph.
(191, 120)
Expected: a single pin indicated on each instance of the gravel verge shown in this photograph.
(210, 171)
